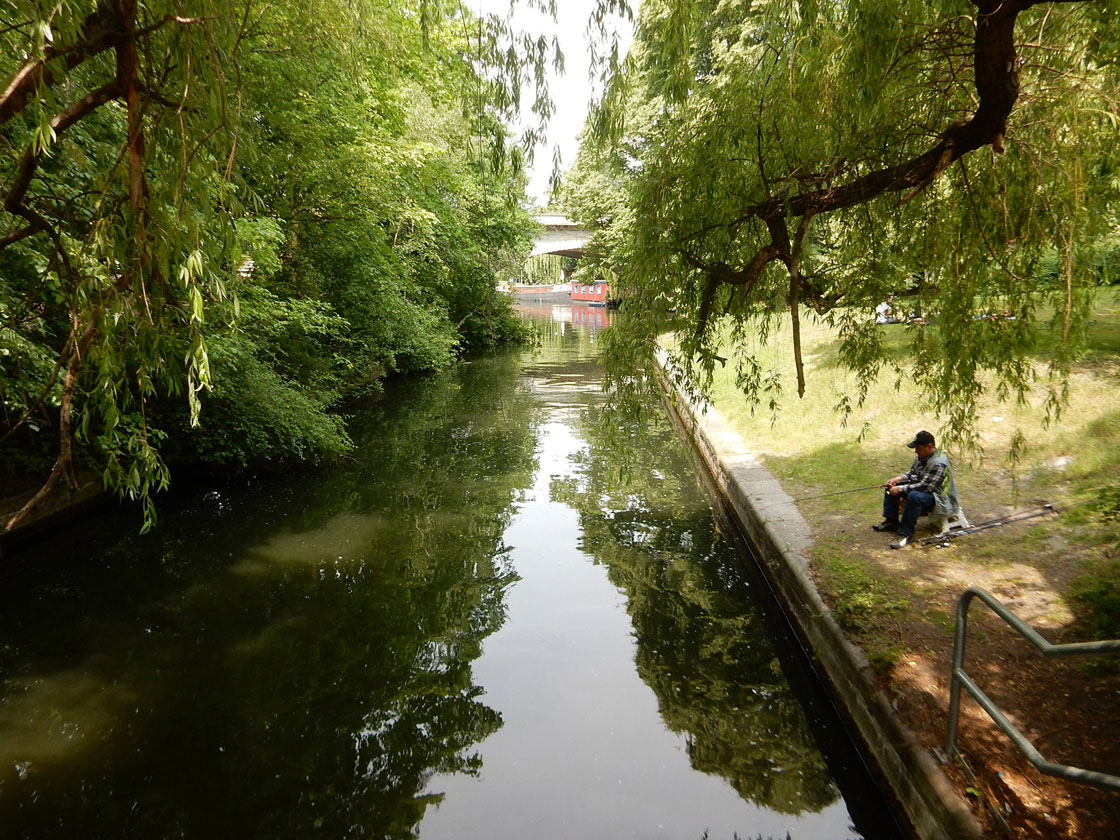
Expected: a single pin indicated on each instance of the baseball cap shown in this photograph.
(921, 437)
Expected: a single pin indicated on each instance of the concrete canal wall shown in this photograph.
(781, 537)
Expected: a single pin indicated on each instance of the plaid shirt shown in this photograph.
(924, 475)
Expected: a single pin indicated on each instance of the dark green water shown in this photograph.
(469, 630)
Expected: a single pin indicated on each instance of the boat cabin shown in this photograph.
(594, 294)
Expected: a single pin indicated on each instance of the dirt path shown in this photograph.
(1068, 709)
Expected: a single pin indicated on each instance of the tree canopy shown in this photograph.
(754, 161)
(262, 209)
(221, 220)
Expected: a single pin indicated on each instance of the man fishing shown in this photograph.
(928, 485)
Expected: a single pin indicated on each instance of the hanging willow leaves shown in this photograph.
(112, 133)
(812, 158)
(221, 219)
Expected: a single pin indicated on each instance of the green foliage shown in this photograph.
(302, 198)
(769, 158)
(544, 269)
(1098, 587)
(860, 597)
(255, 415)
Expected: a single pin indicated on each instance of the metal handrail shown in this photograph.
(960, 678)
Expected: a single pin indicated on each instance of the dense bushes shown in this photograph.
(215, 235)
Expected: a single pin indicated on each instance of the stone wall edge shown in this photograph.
(920, 788)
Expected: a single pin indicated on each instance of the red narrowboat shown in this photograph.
(595, 294)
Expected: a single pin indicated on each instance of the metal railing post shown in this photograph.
(961, 679)
(959, 637)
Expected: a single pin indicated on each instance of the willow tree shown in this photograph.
(809, 158)
(147, 148)
(116, 130)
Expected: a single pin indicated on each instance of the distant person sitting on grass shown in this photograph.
(884, 312)
(928, 485)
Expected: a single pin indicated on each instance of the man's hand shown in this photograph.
(895, 489)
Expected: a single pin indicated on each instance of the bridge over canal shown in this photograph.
(561, 236)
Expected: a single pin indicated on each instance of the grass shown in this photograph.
(862, 601)
(808, 447)
(892, 411)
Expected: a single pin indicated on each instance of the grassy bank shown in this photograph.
(1072, 556)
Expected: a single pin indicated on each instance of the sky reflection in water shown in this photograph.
(608, 707)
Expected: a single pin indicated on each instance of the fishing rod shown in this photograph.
(841, 492)
(1008, 519)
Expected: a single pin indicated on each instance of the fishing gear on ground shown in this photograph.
(999, 521)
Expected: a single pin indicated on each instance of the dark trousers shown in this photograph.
(917, 504)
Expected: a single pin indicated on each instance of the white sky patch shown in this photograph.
(572, 92)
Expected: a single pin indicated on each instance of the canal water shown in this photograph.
(477, 627)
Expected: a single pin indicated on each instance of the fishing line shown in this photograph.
(841, 492)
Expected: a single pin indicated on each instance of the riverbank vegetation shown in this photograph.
(762, 176)
(1021, 460)
(1058, 571)
(751, 161)
(223, 221)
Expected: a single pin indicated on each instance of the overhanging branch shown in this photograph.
(101, 30)
(996, 78)
(995, 64)
(13, 201)
(720, 273)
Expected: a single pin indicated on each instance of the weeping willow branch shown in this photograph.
(114, 27)
(718, 274)
(996, 81)
(795, 281)
(107, 27)
(32, 155)
(64, 463)
(995, 62)
(101, 30)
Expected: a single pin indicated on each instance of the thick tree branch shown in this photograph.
(13, 201)
(17, 235)
(64, 463)
(109, 27)
(720, 273)
(995, 65)
(101, 31)
(996, 78)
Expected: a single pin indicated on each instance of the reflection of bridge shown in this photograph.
(561, 236)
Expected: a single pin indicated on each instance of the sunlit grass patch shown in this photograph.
(1062, 460)
(817, 446)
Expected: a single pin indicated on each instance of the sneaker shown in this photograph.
(901, 542)
(885, 525)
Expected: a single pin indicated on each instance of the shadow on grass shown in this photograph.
(897, 344)
(827, 466)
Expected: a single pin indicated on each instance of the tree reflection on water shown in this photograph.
(288, 657)
(701, 643)
(294, 654)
